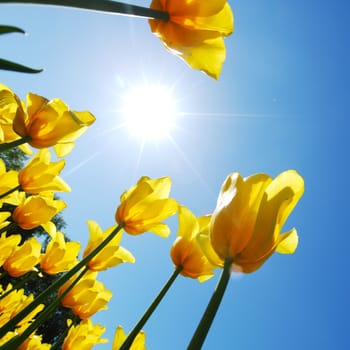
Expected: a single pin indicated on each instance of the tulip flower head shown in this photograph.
(195, 31)
(84, 336)
(250, 213)
(50, 123)
(87, 297)
(120, 336)
(23, 258)
(37, 210)
(145, 205)
(42, 175)
(186, 251)
(60, 255)
(111, 255)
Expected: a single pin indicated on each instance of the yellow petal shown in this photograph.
(125, 255)
(288, 242)
(63, 149)
(119, 337)
(50, 228)
(221, 22)
(204, 278)
(207, 249)
(295, 182)
(35, 103)
(279, 200)
(207, 57)
(188, 224)
(161, 230)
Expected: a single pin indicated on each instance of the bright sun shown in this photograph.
(150, 112)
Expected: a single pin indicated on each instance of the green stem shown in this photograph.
(16, 341)
(9, 227)
(101, 6)
(132, 335)
(10, 191)
(8, 145)
(11, 324)
(203, 327)
(2, 275)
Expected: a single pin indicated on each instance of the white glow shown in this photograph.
(150, 111)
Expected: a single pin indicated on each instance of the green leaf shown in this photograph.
(10, 29)
(8, 65)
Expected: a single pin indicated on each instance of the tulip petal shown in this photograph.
(296, 183)
(62, 149)
(205, 244)
(280, 198)
(188, 224)
(125, 255)
(221, 22)
(161, 230)
(288, 242)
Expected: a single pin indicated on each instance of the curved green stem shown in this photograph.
(101, 6)
(203, 327)
(10, 191)
(9, 145)
(16, 341)
(11, 324)
(132, 335)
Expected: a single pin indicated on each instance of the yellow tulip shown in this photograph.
(145, 205)
(87, 297)
(246, 224)
(42, 175)
(36, 210)
(23, 258)
(120, 336)
(109, 256)
(84, 336)
(60, 255)
(195, 31)
(50, 123)
(186, 252)
(7, 246)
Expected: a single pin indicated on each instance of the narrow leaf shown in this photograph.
(8, 65)
(10, 29)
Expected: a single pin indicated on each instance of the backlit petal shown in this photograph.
(288, 242)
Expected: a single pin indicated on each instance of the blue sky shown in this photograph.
(280, 103)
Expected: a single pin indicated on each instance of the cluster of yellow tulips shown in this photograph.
(242, 233)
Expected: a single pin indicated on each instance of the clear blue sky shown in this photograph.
(282, 102)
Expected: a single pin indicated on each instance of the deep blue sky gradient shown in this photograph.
(282, 102)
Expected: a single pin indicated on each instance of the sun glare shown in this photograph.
(150, 112)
